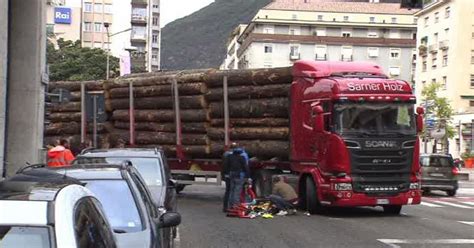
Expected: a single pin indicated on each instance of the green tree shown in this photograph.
(439, 108)
(72, 62)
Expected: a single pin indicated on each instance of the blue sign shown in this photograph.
(62, 15)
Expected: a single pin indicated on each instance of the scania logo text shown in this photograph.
(380, 144)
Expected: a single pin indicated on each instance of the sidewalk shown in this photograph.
(466, 174)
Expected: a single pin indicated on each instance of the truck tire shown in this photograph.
(451, 192)
(262, 183)
(392, 209)
(312, 201)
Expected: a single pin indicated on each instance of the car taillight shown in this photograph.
(455, 170)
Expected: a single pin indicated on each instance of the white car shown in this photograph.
(50, 211)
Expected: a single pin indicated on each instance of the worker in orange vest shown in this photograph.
(60, 155)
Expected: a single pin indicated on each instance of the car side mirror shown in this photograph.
(170, 219)
(171, 184)
(318, 119)
(419, 119)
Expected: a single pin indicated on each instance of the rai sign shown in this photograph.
(62, 15)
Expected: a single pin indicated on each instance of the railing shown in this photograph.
(347, 58)
(294, 56)
(444, 44)
(138, 18)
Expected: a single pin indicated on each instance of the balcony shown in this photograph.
(139, 2)
(138, 18)
(155, 45)
(433, 48)
(321, 57)
(138, 37)
(295, 56)
(347, 58)
(422, 50)
(444, 45)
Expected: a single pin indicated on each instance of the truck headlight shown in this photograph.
(415, 186)
(342, 186)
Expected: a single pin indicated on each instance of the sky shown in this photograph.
(175, 9)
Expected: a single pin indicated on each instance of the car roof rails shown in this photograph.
(30, 167)
(87, 150)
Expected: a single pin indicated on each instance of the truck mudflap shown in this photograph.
(352, 199)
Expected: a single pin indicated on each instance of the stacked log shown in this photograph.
(258, 111)
(64, 119)
(154, 112)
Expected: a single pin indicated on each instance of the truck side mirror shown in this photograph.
(419, 119)
(318, 119)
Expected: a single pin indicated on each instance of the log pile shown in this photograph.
(258, 109)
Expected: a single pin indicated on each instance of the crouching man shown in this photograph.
(283, 196)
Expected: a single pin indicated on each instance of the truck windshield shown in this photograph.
(375, 119)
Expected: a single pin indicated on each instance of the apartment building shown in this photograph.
(146, 35)
(232, 60)
(445, 45)
(288, 30)
(63, 20)
(96, 13)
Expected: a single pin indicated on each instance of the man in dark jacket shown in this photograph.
(236, 167)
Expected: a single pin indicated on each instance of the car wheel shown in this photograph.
(313, 205)
(451, 192)
(392, 209)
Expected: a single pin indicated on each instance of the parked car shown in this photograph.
(438, 172)
(128, 204)
(151, 163)
(40, 208)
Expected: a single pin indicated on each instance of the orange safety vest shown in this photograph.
(59, 156)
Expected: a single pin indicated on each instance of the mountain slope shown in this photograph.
(199, 40)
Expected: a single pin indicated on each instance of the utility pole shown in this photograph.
(107, 25)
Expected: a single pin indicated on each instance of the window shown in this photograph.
(394, 20)
(97, 44)
(108, 8)
(50, 30)
(446, 33)
(139, 14)
(435, 38)
(138, 32)
(472, 56)
(90, 228)
(394, 34)
(346, 53)
(87, 26)
(268, 48)
(471, 103)
(445, 58)
(395, 53)
(156, 6)
(427, 19)
(434, 59)
(346, 34)
(320, 17)
(268, 30)
(98, 7)
(394, 70)
(294, 31)
(154, 38)
(424, 66)
(320, 31)
(445, 80)
(155, 21)
(321, 52)
(294, 17)
(87, 7)
(97, 27)
(472, 80)
(24, 236)
(346, 18)
(145, 194)
(372, 19)
(294, 50)
(106, 192)
(373, 52)
(372, 34)
(447, 12)
(436, 17)
(423, 82)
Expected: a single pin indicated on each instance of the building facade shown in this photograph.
(232, 60)
(146, 35)
(445, 44)
(288, 30)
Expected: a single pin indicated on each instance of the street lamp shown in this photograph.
(107, 25)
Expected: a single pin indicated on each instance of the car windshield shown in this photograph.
(375, 119)
(149, 168)
(436, 162)
(119, 204)
(22, 236)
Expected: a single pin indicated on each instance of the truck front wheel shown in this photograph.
(312, 201)
(392, 209)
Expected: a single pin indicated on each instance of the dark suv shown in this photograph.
(438, 172)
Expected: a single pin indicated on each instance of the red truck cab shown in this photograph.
(354, 136)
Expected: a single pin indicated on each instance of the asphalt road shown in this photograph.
(440, 221)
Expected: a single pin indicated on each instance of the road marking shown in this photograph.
(467, 222)
(393, 242)
(453, 204)
(430, 205)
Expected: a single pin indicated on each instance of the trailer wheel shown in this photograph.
(312, 202)
(392, 209)
(263, 183)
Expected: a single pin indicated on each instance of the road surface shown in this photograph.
(440, 221)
